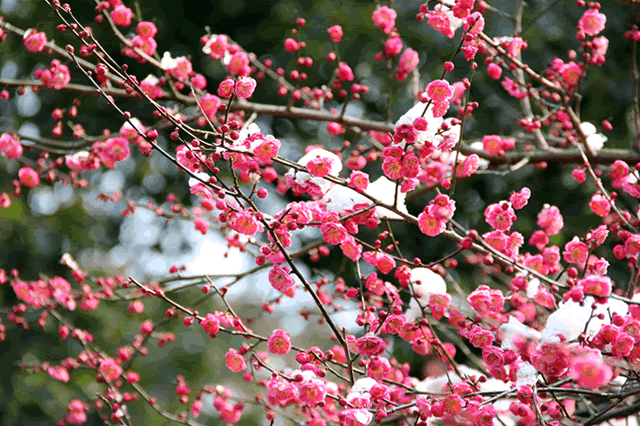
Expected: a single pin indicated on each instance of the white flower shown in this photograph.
(152, 79)
(430, 283)
(595, 140)
(168, 63)
(247, 131)
(516, 328)
(193, 181)
(340, 198)
(571, 318)
(526, 375)
(433, 123)
(302, 178)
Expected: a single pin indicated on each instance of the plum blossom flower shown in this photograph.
(590, 371)
(439, 91)
(500, 216)
(335, 33)
(10, 147)
(321, 163)
(245, 87)
(121, 15)
(575, 251)
(550, 220)
(279, 342)
(146, 29)
(280, 279)
(312, 391)
(370, 344)
(34, 41)
(211, 325)
(384, 18)
(592, 22)
(28, 177)
(110, 369)
(235, 361)
(594, 140)
(216, 46)
(442, 19)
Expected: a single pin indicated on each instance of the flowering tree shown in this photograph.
(540, 327)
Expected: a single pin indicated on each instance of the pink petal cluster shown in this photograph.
(384, 18)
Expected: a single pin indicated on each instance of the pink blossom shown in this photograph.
(494, 71)
(539, 239)
(280, 279)
(335, 129)
(146, 29)
(590, 371)
(443, 20)
(600, 205)
(480, 337)
(439, 303)
(216, 47)
(226, 89)
(266, 148)
(335, 33)
(358, 180)
(392, 47)
(279, 342)
(312, 392)
(28, 177)
(147, 45)
(245, 223)
(485, 416)
(34, 41)
(439, 91)
(210, 104)
(10, 147)
(571, 73)
(500, 216)
(592, 22)
(114, 149)
(344, 73)
(351, 248)
(76, 413)
(235, 361)
(596, 285)
(619, 169)
(384, 18)
(519, 199)
(333, 232)
(492, 144)
(121, 16)
(245, 87)
(56, 77)
(356, 416)
(382, 261)
(211, 325)
(550, 220)
(291, 45)
(58, 372)
(575, 251)
(632, 245)
(201, 225)
(281, 392)
(239, 64)
(110, 369)
(149, 87)
(471, 165)
(409, 60)
(370, 344)
(430, 225)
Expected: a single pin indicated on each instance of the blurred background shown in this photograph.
(51, 220)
